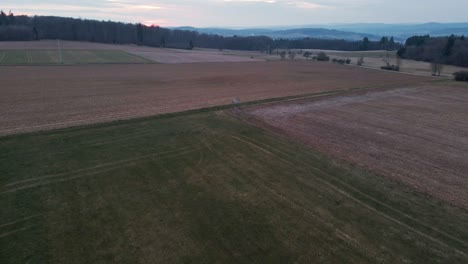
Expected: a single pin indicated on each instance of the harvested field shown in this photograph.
(47, 97)
(41, 57)
(67, 45)
(375, 60)
(417, 136)
(173, 56)
(78, 52)
(207, 188)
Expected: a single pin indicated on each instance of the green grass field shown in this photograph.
(207, 188)
(48, 57)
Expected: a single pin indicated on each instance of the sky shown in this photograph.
(247, 13)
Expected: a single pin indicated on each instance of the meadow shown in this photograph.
(207, 187)
(67, 57)
(132, 154)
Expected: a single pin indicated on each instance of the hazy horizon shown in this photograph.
(247, 13)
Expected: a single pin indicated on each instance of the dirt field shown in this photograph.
(152, 54)
(177, 56)
(418, 136)
(67, 45)
(374, 60)
(37, 98)
(409, 66)
(207, 188)
(54, 57)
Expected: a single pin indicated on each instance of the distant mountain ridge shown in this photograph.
(296, 33)
(373, 31)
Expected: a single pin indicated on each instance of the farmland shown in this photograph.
(207, 188)
(21, 57)
(72, 52)
(376, 59)
(416, 135)
(39, 98)
(131, 154)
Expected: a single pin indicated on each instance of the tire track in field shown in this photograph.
(29, 57)
(91, 143)
(16, 231)
(264, 183)
(369, 207)
(2, 56)
(64, 179)
(19, 220)
(60, 177)
(367, 196)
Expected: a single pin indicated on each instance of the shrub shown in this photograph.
(307, 54)
(461, 76)
(390, 68)
(348, 61)
(340, 61)
(322, 56)
(283, 55)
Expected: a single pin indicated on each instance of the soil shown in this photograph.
(46, 97)
(416, 135)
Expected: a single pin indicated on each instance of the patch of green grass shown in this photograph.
(365, 54)
(207, 188)
(14, 57)
(51, 57)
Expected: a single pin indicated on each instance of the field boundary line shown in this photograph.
(371, 208)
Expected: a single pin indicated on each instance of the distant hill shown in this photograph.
(374, 31)
(405, 31)
(297, 33)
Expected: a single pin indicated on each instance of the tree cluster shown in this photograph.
(335, 44)
(451, 50)
(461, 76)
(49, 27)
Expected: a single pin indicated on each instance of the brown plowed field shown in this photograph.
(418, 136)
(47, 97)
(174, 57)
(68, 45)
(158, 55)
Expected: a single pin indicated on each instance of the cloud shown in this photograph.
(245, 13)
(131, 5)
(298, 4)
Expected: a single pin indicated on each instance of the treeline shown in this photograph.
(333, 44)
(451, 50)
(24, 28)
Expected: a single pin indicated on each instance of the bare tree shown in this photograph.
(360, 61)
(283, 55)
(436, 68)
(307, 54)
(398, 62)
